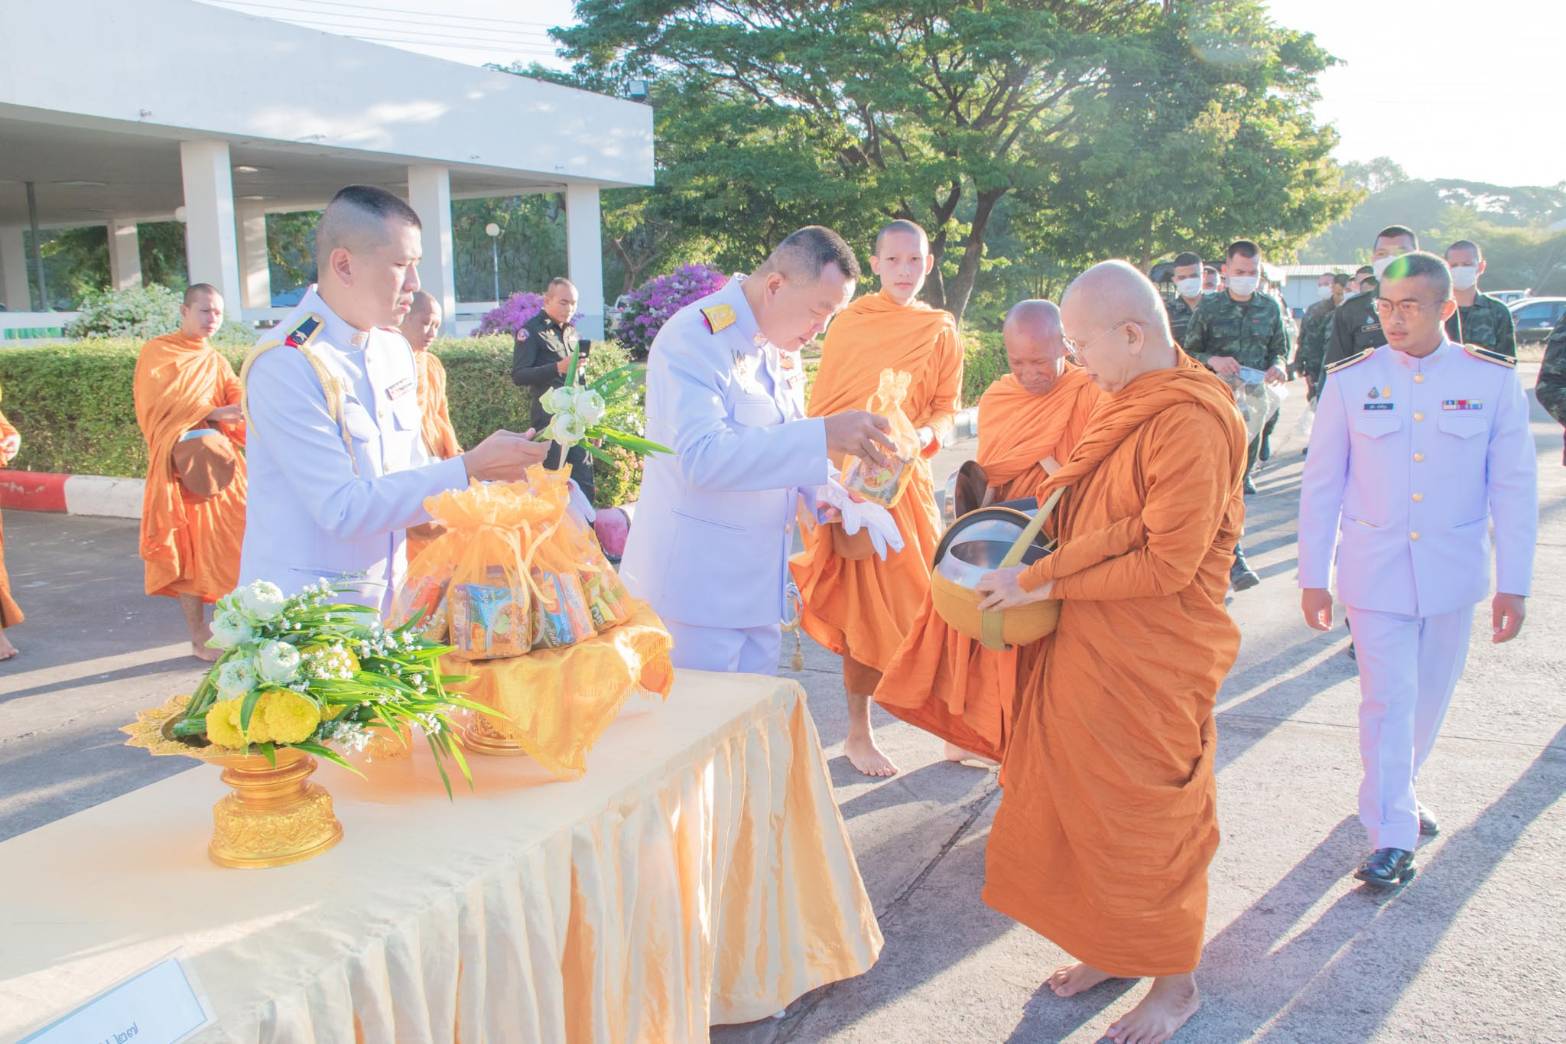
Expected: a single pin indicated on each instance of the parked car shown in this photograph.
(1506, 297)
(1535, 317)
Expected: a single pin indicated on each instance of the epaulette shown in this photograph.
(719, 317)
(1490, 355)
(1345, 363)
(299, 338)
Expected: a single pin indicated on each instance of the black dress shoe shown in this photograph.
(1428, 827)
(1387, 868)
(1241, 576)
(1250, 487)
(1265, 453)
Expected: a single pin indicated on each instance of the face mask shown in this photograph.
(1324, 293)
(1189, 287)
(1379, 265)
(1243, 286)
(1465, 276)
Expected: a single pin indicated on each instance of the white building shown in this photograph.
(115, 113)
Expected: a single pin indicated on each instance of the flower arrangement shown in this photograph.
(511, 314)
(577, 413)
(652, 304)
(321, 676)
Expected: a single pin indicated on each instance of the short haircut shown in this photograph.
(1398, 232)
(1342, 279)
(1364, 270)
(1467, 244)
(804, 253)
(423, 301)
(1241, 248)
(1421, 264)
(1186, 258)
(196, 289)
(1210, 268)
(356, 217)
(901, 225)
(559, 281)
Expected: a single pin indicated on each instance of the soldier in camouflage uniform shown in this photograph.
(1238, 327)
(1480, 319)
(1313, 331)
(1355, 326)
(1551, 389)
(1188, 294)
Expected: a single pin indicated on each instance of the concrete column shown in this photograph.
(14, 285)
(585, 257)
(255, 274)
(429, 194)
(124, 255)
(211, 248)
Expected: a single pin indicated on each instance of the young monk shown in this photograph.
(190, 543)
(10, 612)
(1029, 420)
(420, 327)
(1107, 822)
(861, 608)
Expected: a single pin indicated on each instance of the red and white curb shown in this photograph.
(71, 494)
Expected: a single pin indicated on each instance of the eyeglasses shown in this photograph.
(1074, 348)
(1408, 308)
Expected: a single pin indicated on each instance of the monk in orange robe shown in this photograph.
(10, 612)
(1029, 420)
(190, 543)
(1108, 820)
(861, 608)
(420, 327)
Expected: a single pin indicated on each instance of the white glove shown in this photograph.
(875, 520)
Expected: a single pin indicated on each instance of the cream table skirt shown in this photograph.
(698, 874)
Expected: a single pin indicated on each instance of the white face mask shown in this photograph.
(1189, 287)
(1465, 276)
(1379, 265)
(1243, 286)
(1323, 293)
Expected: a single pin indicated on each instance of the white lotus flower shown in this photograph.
(279, 662)
(235, 678)
(262, 600)
(590, 407)
(569, 428)
(229, 628)
(556, 399)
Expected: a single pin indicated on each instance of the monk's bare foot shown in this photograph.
(865, 756)
(1172, 1000)
(1071, 979)
(7, 650)
(201, 652)
(959, 754)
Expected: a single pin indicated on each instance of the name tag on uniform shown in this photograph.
(400, 389)
(1380, 406)
(1461, 404)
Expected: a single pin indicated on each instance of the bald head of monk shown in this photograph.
(422, 323)
(806, 280)
(367, 252)
(1115, 321)
(902, 260)
(1035, 345)
(201, 312)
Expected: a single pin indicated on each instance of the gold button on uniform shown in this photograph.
(1418, 458)
(1414, 535)
(1418, 497)
(1418, 416)
(1419, 378)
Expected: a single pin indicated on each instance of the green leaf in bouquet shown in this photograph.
(269, 751)
(441, 766)
(320, 750)
(189, 726)
(597, 453)
(248, 708)
(625, 440)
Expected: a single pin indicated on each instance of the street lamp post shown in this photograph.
(492, 230)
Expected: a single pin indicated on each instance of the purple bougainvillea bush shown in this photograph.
(650, 305)
(512, 313)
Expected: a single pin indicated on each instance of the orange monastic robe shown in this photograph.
(939, 680)
(440, 438)
(191, 545)
(1108, 816)
(10, 612)
(861, 609)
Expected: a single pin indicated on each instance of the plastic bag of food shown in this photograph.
(884, 483)
(576, 591)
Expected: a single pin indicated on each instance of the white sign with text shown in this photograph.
(160, 1005)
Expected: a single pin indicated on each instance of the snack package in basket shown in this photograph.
(474, 574)
(884, 484)
(576, 592)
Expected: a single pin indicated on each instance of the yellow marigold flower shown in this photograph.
(223, 724)
(289, 716)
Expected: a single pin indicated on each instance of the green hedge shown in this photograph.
(72, 403)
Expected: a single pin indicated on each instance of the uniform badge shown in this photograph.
(400, 389)
(719, 317)
(521, 335)
(1373, 393)
(1386, 393)
(1461, 404)
(303, 332)
(1380, 406)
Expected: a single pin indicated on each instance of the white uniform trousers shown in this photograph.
(742, 650)
(1408, 667)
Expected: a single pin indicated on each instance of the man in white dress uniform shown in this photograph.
(1419, 446)
(714, 522)
(333, 440)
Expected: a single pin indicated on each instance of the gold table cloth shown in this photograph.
(698, 874)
